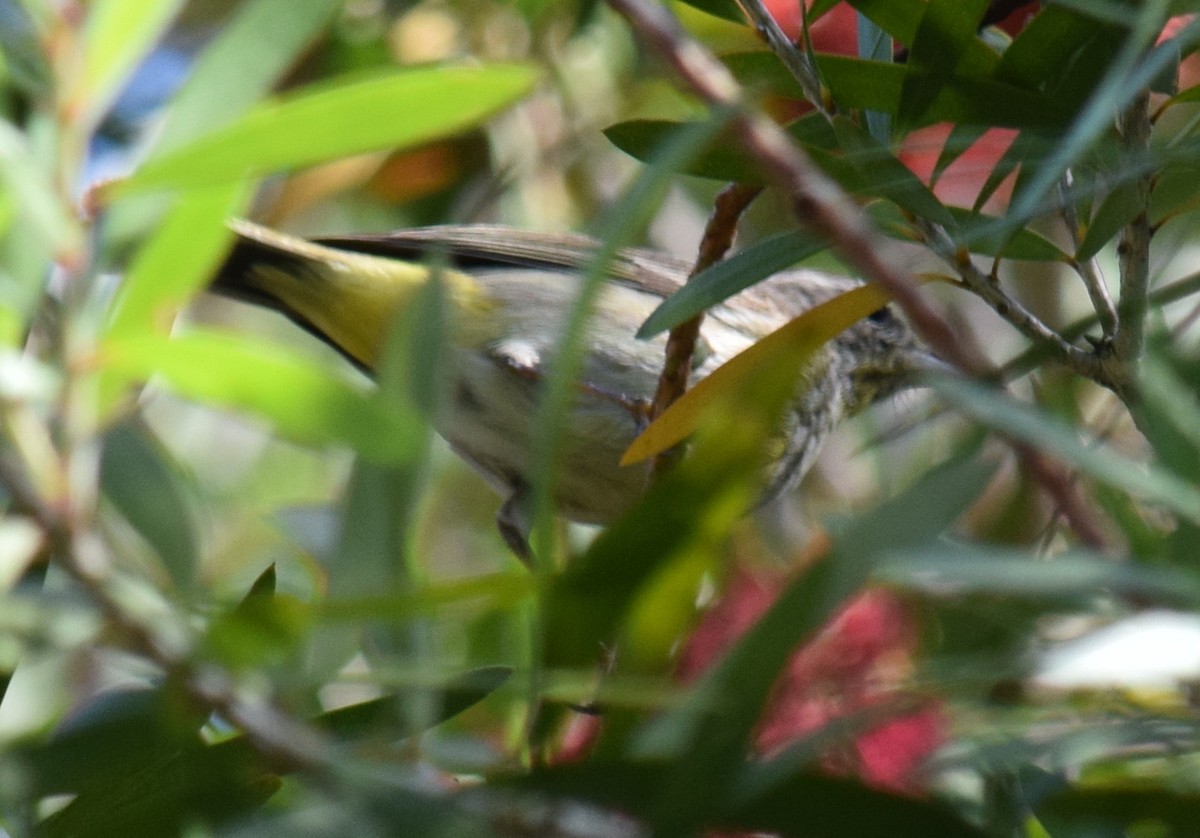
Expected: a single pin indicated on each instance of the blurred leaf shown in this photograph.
(1120, 811)
(263, 587)
(117, 36)
(452, 698)
(730, 276)
(1118, 208)
(620, 226)
(789, 347)
(302, 399)
(946, 31)
(109, 740)
(398, 110)
(726, 9)
(138, 479)
(24, 59)
(37, 199)
(1169, 412)
(260, 633)
(957, 570)
(246, 58)
(821, 806)
(492, 590)
(1149, 482)
(178, 258)
(806, 803)
(721, 158)
(142, 769)
(706, 738)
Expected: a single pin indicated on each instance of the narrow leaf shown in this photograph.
(1147, 481)
(730, 276)
(790, 347)
(303, 400)
(396, 110)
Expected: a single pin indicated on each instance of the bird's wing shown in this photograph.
(485, 244)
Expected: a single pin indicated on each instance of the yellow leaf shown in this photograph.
(790, 346)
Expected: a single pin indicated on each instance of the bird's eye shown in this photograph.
(881, 315)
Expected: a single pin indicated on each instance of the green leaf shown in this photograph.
(946, 31)
(259, 44)
(177, 260)
(397, 110)
(303, 400)
(961, 99)
(722, 158)
(725, 9)
(24, 60)
(1152, 483)
(1119, 207)
(137, 477)
(881, 174)
(117, 36)
(958, 570)
(1125, 74)
(976, 232)
(36, 198)
(730, 276)
(812, 803)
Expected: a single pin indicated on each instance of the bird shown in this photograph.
(509, 293)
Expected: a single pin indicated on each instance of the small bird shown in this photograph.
(509, 293)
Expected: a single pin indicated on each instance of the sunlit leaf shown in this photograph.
(397, 110)
(177, 259)
(303, 400)
(118, 34)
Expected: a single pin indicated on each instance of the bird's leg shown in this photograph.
(515, 521)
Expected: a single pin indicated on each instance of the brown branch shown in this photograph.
(1133, 253)
(816, 199)
(681, 343)
(822, 206)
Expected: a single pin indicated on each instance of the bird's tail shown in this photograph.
(346, 299)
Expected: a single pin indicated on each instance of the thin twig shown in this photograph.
(796, 60)
(1133, 253)
(1088, 270)
(681, 343)
(987, 287)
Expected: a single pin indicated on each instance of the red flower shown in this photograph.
(857, 663)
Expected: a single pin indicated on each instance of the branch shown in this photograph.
(796, 60)
(987, 287)
(819, 202)
(681, 344)
(1089, 269)
(1133, 253)
(821, 205)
